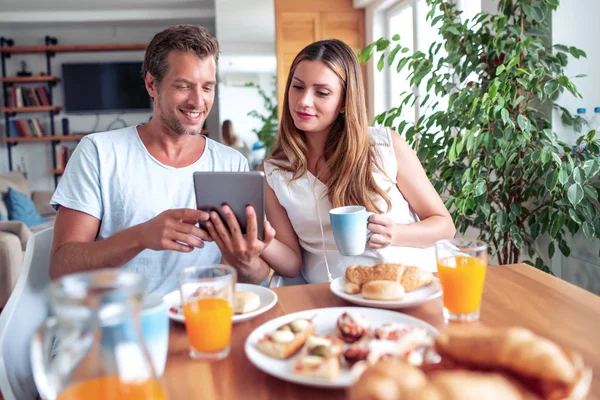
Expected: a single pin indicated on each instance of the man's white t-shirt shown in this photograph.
(112, 177)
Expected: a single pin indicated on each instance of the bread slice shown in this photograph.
(383, 290)
(246, 302)
(320, 357)
(273, 346)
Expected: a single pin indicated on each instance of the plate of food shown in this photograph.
(250, 301)
(508, 363)
(326, 347)
(386, 286)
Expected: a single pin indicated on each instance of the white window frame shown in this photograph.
(389, 13)
(377, 15)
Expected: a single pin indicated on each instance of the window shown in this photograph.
(406, 18)
(399, 20)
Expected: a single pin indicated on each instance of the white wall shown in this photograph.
(37, 157)
(575, 23)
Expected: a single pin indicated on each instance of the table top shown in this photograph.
(514, 295)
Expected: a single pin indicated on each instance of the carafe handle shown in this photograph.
(40, 354)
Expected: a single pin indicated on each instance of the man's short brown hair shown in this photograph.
(193, 39)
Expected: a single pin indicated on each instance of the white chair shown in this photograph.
(25, 310)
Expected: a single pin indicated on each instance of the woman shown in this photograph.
(231, 140)
(326, 157)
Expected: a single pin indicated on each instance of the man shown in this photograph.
(127, 198)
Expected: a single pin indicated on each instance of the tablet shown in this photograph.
(237, 190)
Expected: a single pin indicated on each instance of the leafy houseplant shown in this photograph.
(268, 132)
(493, 150)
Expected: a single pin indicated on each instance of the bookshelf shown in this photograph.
(46, 105)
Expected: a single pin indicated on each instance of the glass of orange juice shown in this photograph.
(207, 301)
(461, 265)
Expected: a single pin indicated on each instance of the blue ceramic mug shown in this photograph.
(349, 226)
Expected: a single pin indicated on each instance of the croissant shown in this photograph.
(414, 278)
(515, 349)
(471, 385)
(398, 380)
(387, 380)
(410, 277)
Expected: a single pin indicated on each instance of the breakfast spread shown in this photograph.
(323, 356)
(479, 363)
(386, 282)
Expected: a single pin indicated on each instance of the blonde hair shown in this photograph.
(349, 154)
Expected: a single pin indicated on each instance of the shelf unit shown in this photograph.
(50, 49)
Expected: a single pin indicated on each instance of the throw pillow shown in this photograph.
(21, 208)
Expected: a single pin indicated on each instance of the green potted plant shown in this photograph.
(270, 125)
(492, 151)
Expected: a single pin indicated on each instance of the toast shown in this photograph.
(287, 339)
(320, 357)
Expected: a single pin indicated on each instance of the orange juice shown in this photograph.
(462, 283)
(208, 324)
(111, 387)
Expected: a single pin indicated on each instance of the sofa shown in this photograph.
(13, 233)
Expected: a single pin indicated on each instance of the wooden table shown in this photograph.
(513, 295)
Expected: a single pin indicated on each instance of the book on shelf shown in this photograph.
(12, 128)
(63, 153)
(25, 128)
(21, 96)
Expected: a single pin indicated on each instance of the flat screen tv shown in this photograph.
(104, 87)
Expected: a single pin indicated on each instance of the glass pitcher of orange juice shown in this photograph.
(461, 265)
(91, 347)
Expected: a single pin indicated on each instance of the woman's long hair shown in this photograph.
(227, 133)
(349, 154)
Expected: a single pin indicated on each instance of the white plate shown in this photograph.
(411, 299)
(268, 299)
(325, 320)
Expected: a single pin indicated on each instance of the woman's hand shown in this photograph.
(383, 231)
(241, 251)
